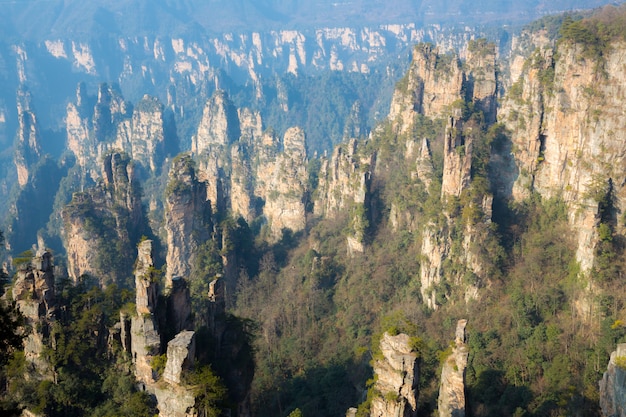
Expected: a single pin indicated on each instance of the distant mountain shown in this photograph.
(39, 19)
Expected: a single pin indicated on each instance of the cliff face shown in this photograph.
(451, 402)
(28, 147)
(143, 135)
(101, 223)
(109, 126)
(434, 81)
(187, 217)
(564, 113)
(462, 98)
(397, 375)
(219, 124)
(613, 385)
(33, 293)
(284, 180)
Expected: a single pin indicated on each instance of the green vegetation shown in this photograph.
(595, 33)
(89, 379)
(208, 390)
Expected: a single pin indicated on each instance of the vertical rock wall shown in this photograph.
(397, 377)
(451, 402)
(613, 385)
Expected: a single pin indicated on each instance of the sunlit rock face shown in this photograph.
(397, 375)
(451, 402)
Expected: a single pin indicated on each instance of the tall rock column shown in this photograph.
(451, 402)
(33, 293)
(28, 148)
(187, 217)
(397, 373)
(284, 182)
(145, 337)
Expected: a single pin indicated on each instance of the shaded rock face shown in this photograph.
(451, 402)
(101, 223)
(179, 305)
(613, 385)
(187, 218)
(33, 293)
(397, 375)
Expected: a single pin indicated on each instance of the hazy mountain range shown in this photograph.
(37, 19)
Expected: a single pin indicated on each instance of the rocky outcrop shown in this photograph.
(33, 293)
(91, 128)
(174, 399)
(109, 126)
(145, 337)
(440, 87)
(219, 124)
(481, 62)
(613, 385)
(451, 402)
(143, 136)
(433, 83)
(187, 217)
(28, 147)
(457, 159)
(283, 185)
(102, 223)
(563, 113)
(181, 352)
(343, 180)
(397, 378)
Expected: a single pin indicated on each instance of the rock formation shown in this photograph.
(28, 147)
(433, 83)
(457, 159)
(282, 183)
(181, 352)
(439, 87)
(613, 385)
(397, 373)
(33, 293)
(219, 124)
(451, 402)
(173, 398)
(101, 223)
(187, 217)
(143, 136)
(563, 113)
